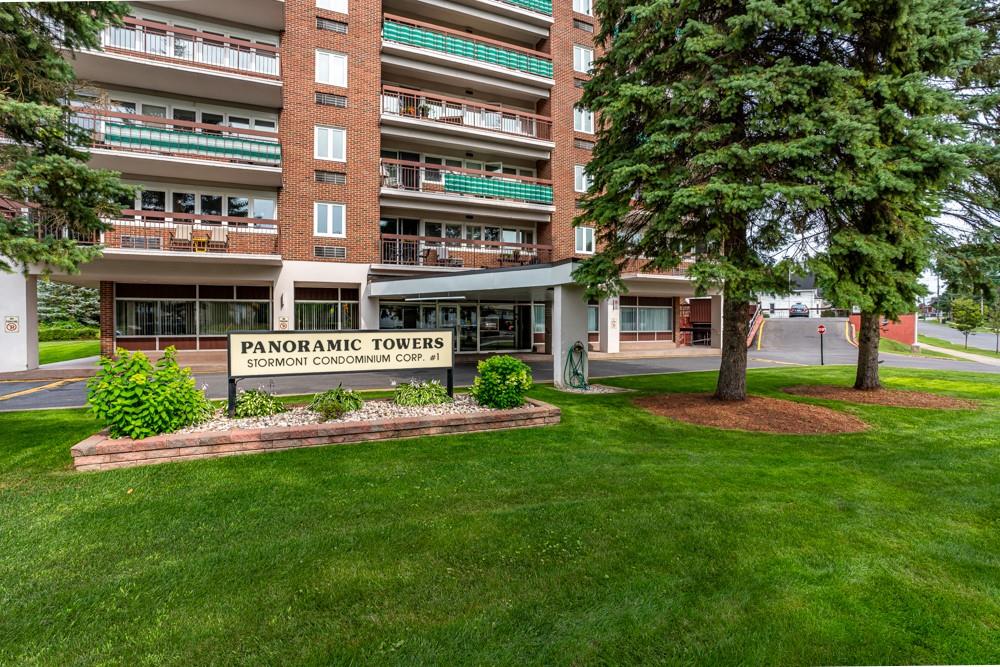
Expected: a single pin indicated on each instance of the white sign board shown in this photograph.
(11, 324)
(269, 353)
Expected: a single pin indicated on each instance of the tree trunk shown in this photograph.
(868, 338)
(732, 384)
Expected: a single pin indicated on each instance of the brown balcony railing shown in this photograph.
(152, 134)
(456, 111)
(441, 179)
(159, 41)
(434, 251)
(179, 232)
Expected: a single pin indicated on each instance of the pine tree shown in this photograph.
(62, 302)
(711, 133)
(880, 226)
(41, 165)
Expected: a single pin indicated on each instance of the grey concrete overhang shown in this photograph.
(510, 281)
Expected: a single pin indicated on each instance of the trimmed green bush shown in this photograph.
(420, 393)
(66, 331)
(334, 403)
(258, 403)
(501, 382)
(136, 399)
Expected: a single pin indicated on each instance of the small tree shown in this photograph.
(993, 323)
(966, 315)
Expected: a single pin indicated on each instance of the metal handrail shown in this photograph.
(435, 108)
(165, 41)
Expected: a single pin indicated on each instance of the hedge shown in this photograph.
(46, 334)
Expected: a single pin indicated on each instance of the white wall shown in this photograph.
(18, 304)
(569, 325)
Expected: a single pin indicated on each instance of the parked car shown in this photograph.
(798, 310)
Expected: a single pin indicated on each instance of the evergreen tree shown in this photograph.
(42, 165)
(712, 131)
(62, 302)
(880, 225)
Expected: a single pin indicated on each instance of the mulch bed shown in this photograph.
(757, 413)
(888, 397)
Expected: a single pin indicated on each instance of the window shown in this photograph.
(211, 204)
(583, 7)
(328, 219)
(583, 58)
(338, 5)
(581, 179)
(538, 318)
(153, 200)
(331, 68)
(184, 202)
(585, 240)
(263, 209)
(583, 120)
(238, 207)
(593, 316)
(583, 25)
(647, 319)
(331, 143)
(333, 26)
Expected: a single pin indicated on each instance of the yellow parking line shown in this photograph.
(775, 361)
(51, 385)
(760, 334)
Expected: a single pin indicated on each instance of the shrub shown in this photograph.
(66, 331)
(335, 402)
(258, 403)
(136, 399)
(501, 382)
(420, 393)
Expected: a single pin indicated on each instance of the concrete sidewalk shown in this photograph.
(968, 356)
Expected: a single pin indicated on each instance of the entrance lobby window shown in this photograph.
(326, 308)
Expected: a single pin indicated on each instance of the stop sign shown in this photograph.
(821, 329)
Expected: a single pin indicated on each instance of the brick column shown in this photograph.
(107, 318)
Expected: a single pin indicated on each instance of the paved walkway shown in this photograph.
(968, 356)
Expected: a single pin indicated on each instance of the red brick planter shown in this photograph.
(99, 452)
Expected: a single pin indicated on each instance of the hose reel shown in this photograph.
(574, 373)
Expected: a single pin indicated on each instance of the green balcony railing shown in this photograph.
(499, 188)
(540, 6)
(411, 33)
(148, 134)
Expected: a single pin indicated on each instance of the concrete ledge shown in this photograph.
(100, 452)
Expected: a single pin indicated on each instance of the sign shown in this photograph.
(276, 353)
(11, 324)
(821, 329)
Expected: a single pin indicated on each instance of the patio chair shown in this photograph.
(180, 238)
(218, 240)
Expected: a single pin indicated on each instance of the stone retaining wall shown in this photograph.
(100, 452)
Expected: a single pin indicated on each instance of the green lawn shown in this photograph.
(63, 350)
(614, 538)
(956, 346)
(895, 347)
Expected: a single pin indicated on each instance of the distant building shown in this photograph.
(803, 290)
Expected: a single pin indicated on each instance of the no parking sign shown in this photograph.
(11, 324)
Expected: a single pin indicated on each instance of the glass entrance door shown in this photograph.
(497, 328)
(449, 320)
(468, 337)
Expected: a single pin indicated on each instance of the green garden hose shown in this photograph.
(573, 371)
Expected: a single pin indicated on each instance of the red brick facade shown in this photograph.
(301, 114)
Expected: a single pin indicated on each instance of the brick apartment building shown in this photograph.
(339, 164)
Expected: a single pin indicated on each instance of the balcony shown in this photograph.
(538, 6)
(441, 253)
(481, 60)
(186, 62)
(155, 146)
(180, 234)
(465, 124)
(444, 189)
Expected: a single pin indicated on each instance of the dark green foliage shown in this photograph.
(415, 393)
(43, 165)
(66, 331)
(62, 302)
(966, 316)
(335, 403)
(502, 382)
(136, 399)
(258, 403)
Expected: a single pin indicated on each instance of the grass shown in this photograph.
(895, 347)
(52, 351)
(938, 342)
(616, 537)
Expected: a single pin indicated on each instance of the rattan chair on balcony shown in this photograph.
(218, 240)
(180, 238)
